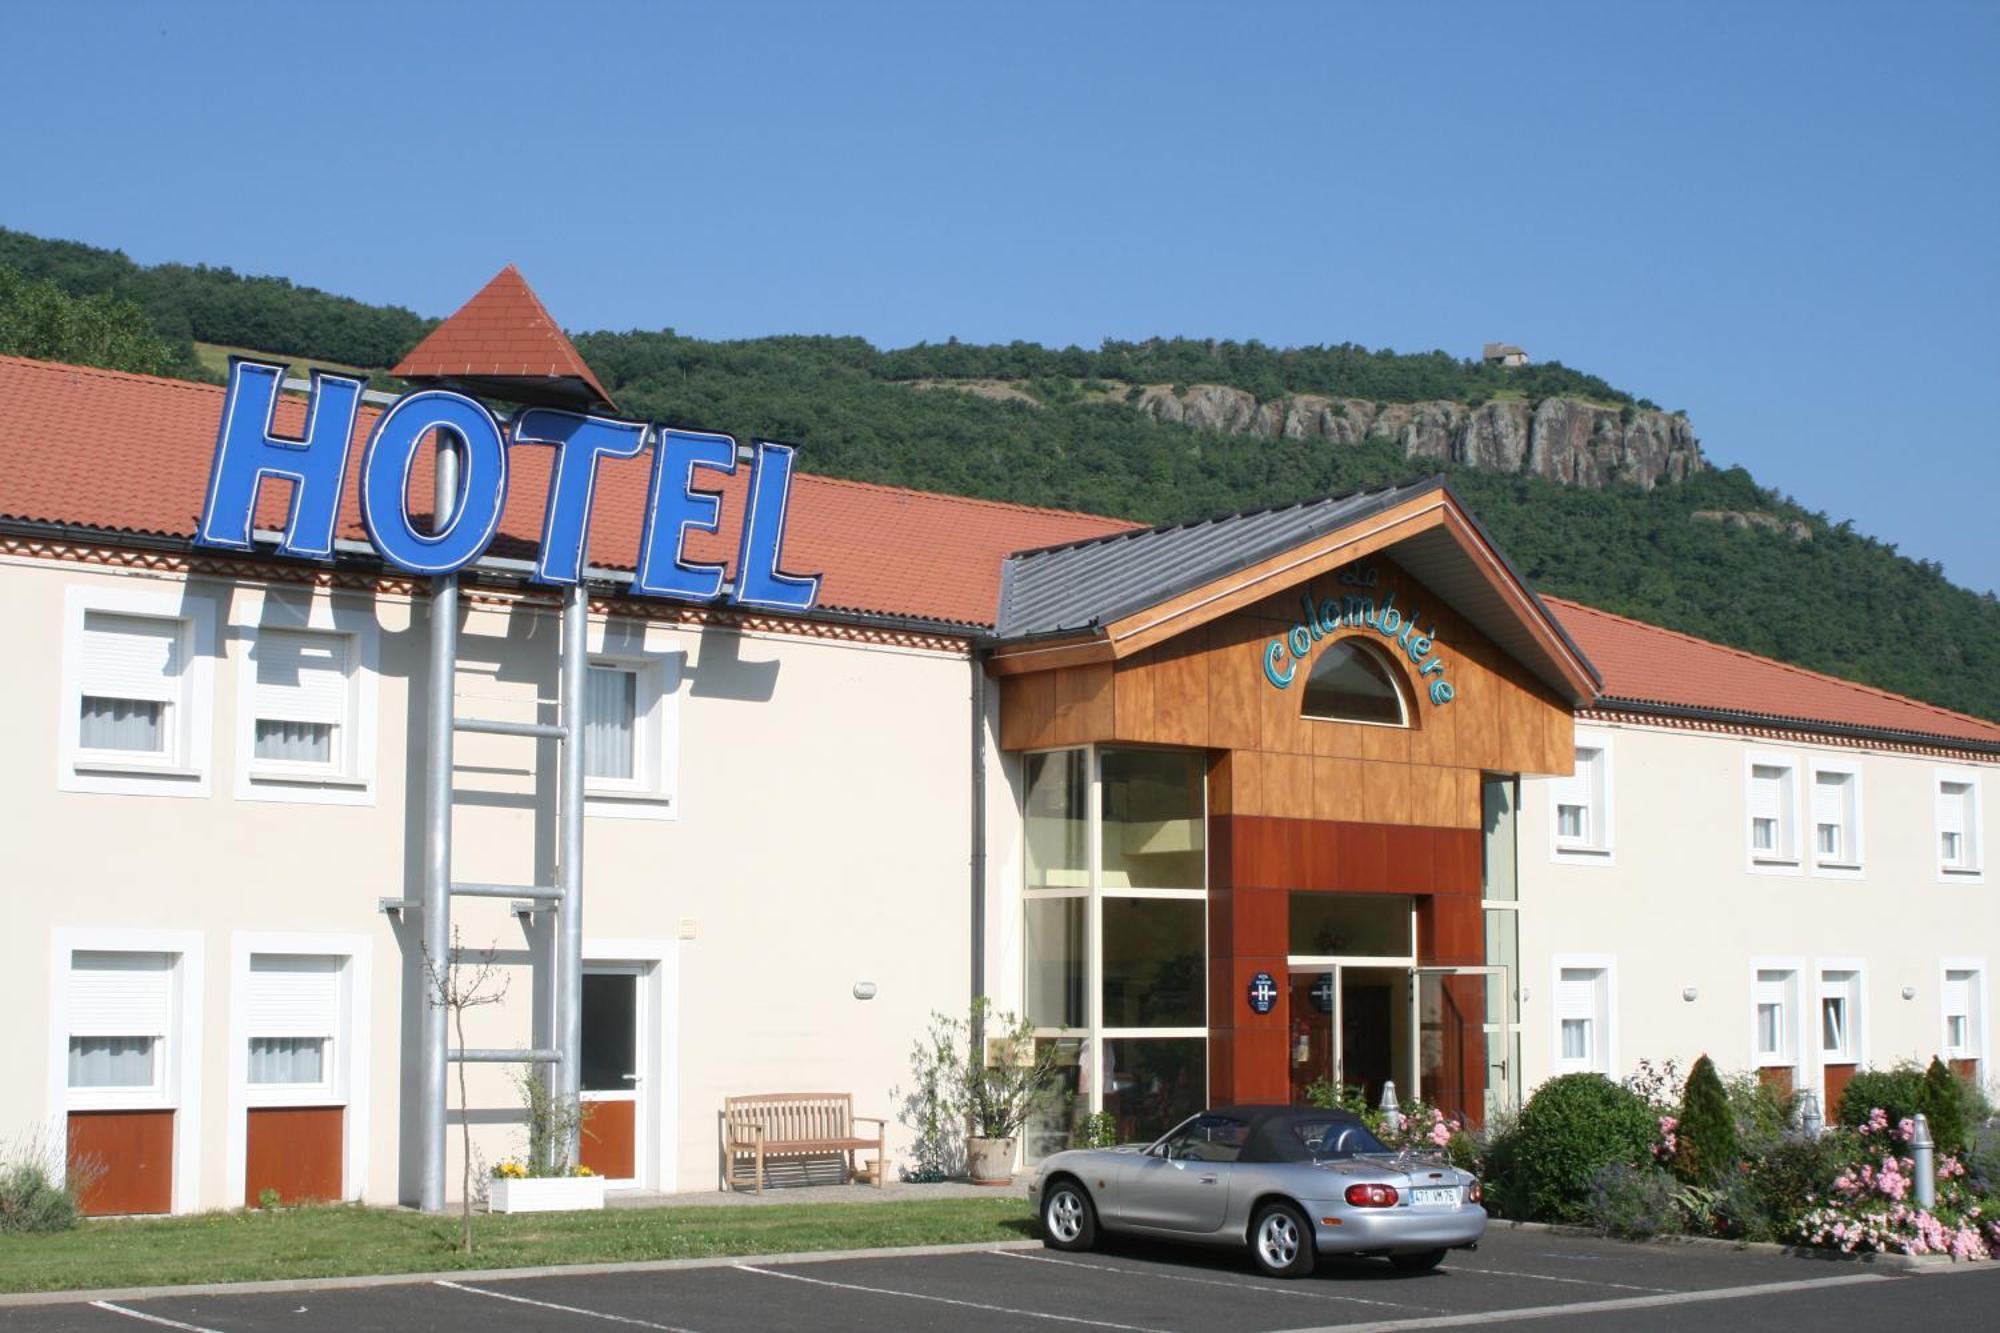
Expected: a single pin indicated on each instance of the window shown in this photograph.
(134, 714)
(1773, 809)
(1774, 1006)
(631, 728)
(1839, 1017)
(1582, 803)
(302, 682)
(1583, 1016)
(1963, 1004)
(120, 1004)
(292, 1006)
(1958, 825)
(610, 716)
(131, 681)
(1352, 682)
(1836, 812)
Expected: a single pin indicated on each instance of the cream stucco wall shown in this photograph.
(1677, 903)
(821, 839)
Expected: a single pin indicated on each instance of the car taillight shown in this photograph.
(1473, 1194)
(1372, 1196)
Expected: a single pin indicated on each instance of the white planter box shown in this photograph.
(557, 1194)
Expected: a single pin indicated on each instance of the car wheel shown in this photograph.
(1069, 1220)
(1281, 1241)
(1422, 1262)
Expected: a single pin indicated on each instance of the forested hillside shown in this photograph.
(1802, 588)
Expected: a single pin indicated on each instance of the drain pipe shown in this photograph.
(978, 825)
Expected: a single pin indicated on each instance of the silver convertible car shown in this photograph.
(1293, 1183)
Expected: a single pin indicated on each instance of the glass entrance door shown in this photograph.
(1461, 1040)
(1314, 1051)
(1348, 1028)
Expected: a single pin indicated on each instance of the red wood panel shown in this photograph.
(610, 1139)
(1966, 1068)
(124, 1160)
(1837, 1079)
(297, 1151)
(1778, 1078)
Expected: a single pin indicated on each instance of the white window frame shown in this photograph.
(178, 1084)
(656, 1136)
(1977, 1018)
(1598, 845)
(350, 779)
(1792, 1041)
(1849, 862)
(1857, 1017)
(1604, 1060)
(185, 769)
(1789, 856)
(653, 792)
(348, 1079)
(1973, 869)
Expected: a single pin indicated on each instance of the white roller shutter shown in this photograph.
(293, 995)
(302, 676)
(131, 657)
(1576, 993)
(1830, 798)
(120, 994)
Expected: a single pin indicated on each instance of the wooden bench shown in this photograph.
(796, 1124)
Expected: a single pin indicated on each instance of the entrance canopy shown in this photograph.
(1104, 599)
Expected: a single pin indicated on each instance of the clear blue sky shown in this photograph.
(1782, 218)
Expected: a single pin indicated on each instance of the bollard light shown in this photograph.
(1810, 1119)
(1924, 1164)
(1390, 1106)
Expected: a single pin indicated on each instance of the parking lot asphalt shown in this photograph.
(1520, 1278)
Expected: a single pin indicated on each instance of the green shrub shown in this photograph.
(31, 1201)
(1896, 1091)
(1763, 1114)
(1790, 1178)
(1632, 1202)
(1943, 1105)
(1572, 1128)
(1708, 1148)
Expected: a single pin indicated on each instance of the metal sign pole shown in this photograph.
(569, 967)
(435, 1032)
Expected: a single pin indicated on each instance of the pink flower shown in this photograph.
(1441, 1134)
(1878, 1120)
(1906, 1129)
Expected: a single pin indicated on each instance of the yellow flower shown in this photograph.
(582, 1170)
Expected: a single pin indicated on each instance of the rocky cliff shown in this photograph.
(1563, 439)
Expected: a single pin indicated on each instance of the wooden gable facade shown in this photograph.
(1298, 804)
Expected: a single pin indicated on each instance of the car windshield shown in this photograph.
(1335, 1138)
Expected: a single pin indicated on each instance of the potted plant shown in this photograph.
(546, 1179)
(1002, 1080)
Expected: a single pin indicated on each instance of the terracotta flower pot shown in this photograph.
(990, 1161)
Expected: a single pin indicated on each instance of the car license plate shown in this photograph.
(1434, 1198)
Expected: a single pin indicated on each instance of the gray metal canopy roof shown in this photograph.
(1081, 585)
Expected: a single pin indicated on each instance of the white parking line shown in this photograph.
(150, 1318)
(1597, 1307)
(1550, 1277)
(1306, 1292)
(565, 1309)
(947, 1300)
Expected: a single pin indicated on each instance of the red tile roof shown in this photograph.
(1646, 664)
(130, 453)
(503, 332)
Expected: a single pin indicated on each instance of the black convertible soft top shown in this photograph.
(1275, 1135)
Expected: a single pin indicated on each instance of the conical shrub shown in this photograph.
(1708, 1147)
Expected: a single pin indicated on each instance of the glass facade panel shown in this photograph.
(1154, 807)
(1152, 1084)
(1058, 961)
(1155, 958)
(1359, 925)
(1500, 799)
(1057, 1122)
(1503, 949)
(1058, 809)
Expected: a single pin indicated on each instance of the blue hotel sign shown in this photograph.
(247, 451)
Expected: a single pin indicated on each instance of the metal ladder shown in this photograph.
(564, 897)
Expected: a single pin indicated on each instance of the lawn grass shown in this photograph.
(340, 1241)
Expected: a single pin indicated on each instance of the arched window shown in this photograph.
(1351, 683)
